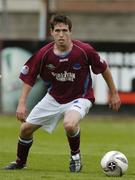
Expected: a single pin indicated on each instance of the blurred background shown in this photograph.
(109, 25)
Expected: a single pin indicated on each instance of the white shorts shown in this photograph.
(48, 111)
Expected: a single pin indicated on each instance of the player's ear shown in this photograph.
(51, 32)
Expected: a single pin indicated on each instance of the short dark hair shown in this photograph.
(60, 18)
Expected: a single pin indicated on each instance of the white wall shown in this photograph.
(22, 5)
(23, 19)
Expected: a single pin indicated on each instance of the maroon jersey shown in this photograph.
(68, 77)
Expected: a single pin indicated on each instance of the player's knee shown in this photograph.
(69, 126)
(25, 131)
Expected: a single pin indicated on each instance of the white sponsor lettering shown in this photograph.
(65, 76)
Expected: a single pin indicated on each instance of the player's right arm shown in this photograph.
(28, 75)
(21, 112)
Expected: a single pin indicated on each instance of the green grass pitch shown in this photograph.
(49, 155)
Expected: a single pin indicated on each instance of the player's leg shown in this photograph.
(77, 110)
(71, 126)
(24, 143)
(40, 116)
(45, 114)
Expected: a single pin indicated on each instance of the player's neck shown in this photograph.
(62, 49)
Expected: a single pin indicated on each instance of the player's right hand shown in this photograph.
(21, 112)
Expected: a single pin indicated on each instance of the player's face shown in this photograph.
(61, 34)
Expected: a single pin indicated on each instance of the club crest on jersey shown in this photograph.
(25, 70)
(65, 76)
(50, 66)
(77, 66)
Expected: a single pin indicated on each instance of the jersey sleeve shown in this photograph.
(31, 69)
(98, 65)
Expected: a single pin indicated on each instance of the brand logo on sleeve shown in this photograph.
(25, 70)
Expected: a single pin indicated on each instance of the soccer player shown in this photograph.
(64, 65)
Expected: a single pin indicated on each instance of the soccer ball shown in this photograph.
(114, 163)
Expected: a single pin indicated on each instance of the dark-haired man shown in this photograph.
(64, 66)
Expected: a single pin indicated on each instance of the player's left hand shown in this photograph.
(114, 102)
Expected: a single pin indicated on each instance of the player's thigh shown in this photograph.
(76, 110)
(71, 118)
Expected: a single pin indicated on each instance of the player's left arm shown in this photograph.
(114, 100)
